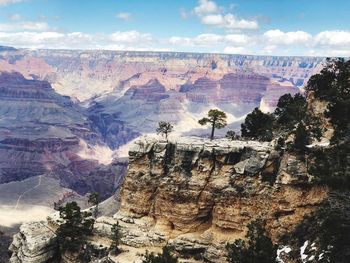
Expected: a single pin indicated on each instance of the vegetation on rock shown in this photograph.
(116, 238)
(74, 228)
(216, 118)
(165, 257)
(231, 135)
(257, 248)
(258, 125)
(164, 128)
(94, 199)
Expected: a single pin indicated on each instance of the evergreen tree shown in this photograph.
(231, 135)
(290, 110)
(94, 199)
(116, 238)
(217, 120)
(258, 125)
(165, 257)
(257, 249)
(164, 128)
(301, 139)
(74, 228)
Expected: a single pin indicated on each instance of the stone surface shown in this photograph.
(35, 243)
(198, 195)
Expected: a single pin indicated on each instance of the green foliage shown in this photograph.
(331, 165)
(94, 199)
(231, 135)
(257, 248)
(165, 257)
(301, 139)
(329, 229)
(164, 128)
(116, 238)
(258, 125)
(332, 85)
(217, 120)
(290, 110)
(75, 227)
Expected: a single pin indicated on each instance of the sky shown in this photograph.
(258, 27)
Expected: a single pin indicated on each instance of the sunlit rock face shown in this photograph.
(43, 132)
(197, 194)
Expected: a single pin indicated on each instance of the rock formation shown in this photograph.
(197, 195)
(42, 132)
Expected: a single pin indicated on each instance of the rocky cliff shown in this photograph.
(197, 195)
(42, 132)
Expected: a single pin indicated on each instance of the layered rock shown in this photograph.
(42, 132)
(35, 243)
(83, 74)
(197, 195)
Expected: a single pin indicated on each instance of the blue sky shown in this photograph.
(276, 27)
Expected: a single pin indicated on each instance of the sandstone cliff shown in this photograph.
(197, 195)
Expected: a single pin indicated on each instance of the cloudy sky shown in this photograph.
(262, 27)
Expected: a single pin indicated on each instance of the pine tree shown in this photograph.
(217, 120)
(258, 125)
(301, 139)
(75, 227)
(116, 238)
(164, 128)
(94, 199)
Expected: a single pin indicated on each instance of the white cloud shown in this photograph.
(229, 21)
(131, 37)
(128, 40)
(206, 7)
(278, 37)
(9, 2)
(211, 14)
(209, 40)
(124, 16)
(24, 26)
(333, 38)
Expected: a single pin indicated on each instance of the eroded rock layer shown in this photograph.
(196, 195)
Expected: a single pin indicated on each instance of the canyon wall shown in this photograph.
(42, 132)
(196, 195)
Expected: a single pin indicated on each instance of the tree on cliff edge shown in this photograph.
(216, 118)
(258, 125)
(164, 128)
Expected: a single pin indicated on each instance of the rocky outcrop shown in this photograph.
(197, 195)
(35, 243)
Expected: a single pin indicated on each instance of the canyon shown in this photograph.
(68, 117)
